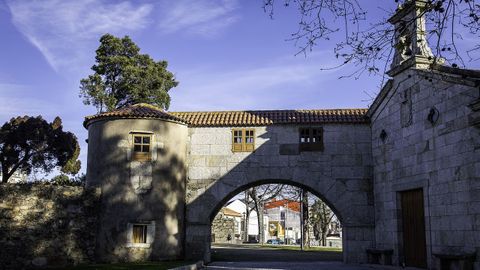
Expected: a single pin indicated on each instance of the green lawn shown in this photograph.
(296, 247)
(129, 266)
(333, 249)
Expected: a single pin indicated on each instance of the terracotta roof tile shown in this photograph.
(262, 118)
(230, 212)
(141, 110)
(237, 118)
(292, 205)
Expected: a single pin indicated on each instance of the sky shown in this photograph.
(226, 54)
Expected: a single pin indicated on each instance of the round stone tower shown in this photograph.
(137, 157)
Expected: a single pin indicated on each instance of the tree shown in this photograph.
(305, 217)
(320, 217)
(123, 77)
(31, 143)
(368, 47)
(63, 179)
(259, 196)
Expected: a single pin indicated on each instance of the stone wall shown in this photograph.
(222, 227)
(43, 224)
(340, 174)
(428, 143)
(148, 192)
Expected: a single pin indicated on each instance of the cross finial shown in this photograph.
(411, 45)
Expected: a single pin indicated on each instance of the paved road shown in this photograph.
(239, 253)
(289, 266)
(246, 257)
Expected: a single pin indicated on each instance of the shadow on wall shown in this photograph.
(340, 174)
(125, 202)
(46, 224)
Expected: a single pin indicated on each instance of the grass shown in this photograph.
(296, 247)
(129, 266)
(286, 247)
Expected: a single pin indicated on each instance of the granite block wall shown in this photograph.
(429, 143)
(43, 224)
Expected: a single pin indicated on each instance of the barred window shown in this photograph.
(311, 139)
(139, 233)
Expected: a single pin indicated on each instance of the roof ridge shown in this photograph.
(271, 110)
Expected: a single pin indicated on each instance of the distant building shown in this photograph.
(284, 220)
(227, 227)
(240, 207)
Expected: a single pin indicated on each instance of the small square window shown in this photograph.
(139, 233)
(141, 147)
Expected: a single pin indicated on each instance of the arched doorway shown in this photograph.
(349, 198)
(276, 222)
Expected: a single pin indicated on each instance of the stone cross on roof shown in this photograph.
(411, 44)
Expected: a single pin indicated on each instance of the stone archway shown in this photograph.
(350, 198)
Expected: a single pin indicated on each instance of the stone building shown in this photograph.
(227, 227)
(284, 220)
(402, 176)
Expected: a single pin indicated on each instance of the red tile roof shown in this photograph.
(272, 117)
(230, 212)
(237, 118)
(140, 110)
(292, 205)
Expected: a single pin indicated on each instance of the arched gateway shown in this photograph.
(203, 159)
(338, 170)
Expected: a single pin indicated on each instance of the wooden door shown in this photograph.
(413, 219)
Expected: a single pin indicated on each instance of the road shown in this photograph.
(249, 257)
(290, 266)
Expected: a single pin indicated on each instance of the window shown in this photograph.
(311, 139)
(243, 140)
(139, 234)
(142, 147)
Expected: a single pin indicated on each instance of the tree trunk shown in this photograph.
(324, 237)
(261, 236)
(247, 217)
(305, 231)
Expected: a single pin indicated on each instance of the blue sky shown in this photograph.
(226, 54)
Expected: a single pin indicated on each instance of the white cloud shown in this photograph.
(62, 29)
(285, 82)
(17, 100)
(198, 17)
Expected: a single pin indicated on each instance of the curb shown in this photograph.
(194, 266)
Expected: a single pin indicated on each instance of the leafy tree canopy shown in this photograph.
(31, 143)
(123, 77)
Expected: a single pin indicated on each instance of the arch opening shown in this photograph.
(275, 214)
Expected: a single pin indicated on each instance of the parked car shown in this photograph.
(275, 242)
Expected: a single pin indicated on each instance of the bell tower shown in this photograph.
(411, 45)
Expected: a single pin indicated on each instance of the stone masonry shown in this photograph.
(420, 136)
(46, 224)
(341, 175)
(440, 156)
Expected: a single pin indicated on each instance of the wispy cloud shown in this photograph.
(284, 82)
(62, 29)
(199, 17)
(17, 100)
